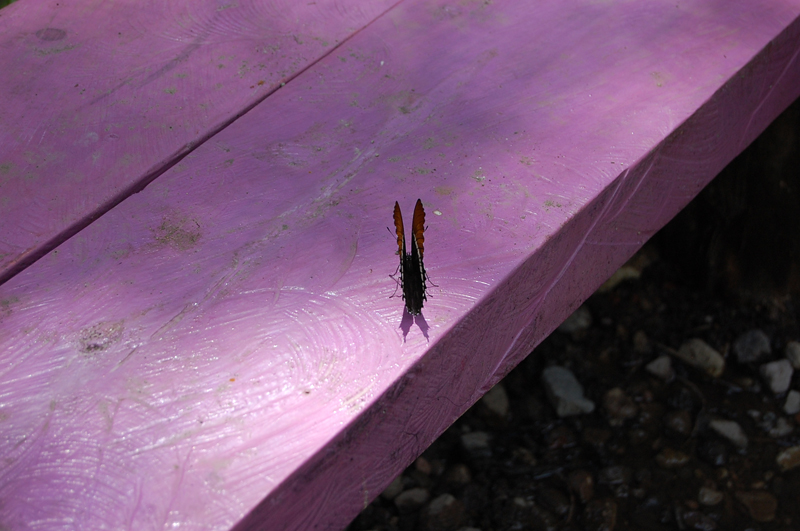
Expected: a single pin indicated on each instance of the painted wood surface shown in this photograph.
(99, 98)
(222, 349)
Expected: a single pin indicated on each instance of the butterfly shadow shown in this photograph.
(408, 320)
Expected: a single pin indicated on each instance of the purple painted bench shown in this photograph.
(220, 350)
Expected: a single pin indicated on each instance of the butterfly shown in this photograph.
(412, 270)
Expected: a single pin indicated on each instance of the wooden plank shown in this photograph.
(221, 348)
(100, 97)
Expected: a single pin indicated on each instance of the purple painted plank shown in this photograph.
(226, 336)
(101, 97)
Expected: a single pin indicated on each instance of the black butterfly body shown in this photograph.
(412, 270)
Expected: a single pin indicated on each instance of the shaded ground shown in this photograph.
(646, 457)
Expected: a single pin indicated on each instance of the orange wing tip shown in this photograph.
(418, 226)
(398, 226)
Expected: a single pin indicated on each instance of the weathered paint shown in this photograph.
(101, 97)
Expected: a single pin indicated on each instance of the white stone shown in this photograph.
(778, 375)
(730, 430)
(522, 502)
(565, 392)
(792, 405)
(496, 401)
(793, 354)
(475, 441)
(660, 367)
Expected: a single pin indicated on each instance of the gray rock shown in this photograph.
(782, 428)
(411, 499)
(752, 346)
(792, 405)
(700, 355)
(661, 367)
(793, 353)
(565, 392)
(579, 321)
(777, 375)
(394, 488)
(441, 502)
(496, 401)
(476, 443)
(709, 497)
(522, 502)
(443, 513)
(730, 430)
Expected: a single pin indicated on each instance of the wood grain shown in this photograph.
(99, 98)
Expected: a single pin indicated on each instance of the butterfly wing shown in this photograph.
(398, 225)
(418, 228)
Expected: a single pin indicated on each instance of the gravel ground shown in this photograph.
(655, 407)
